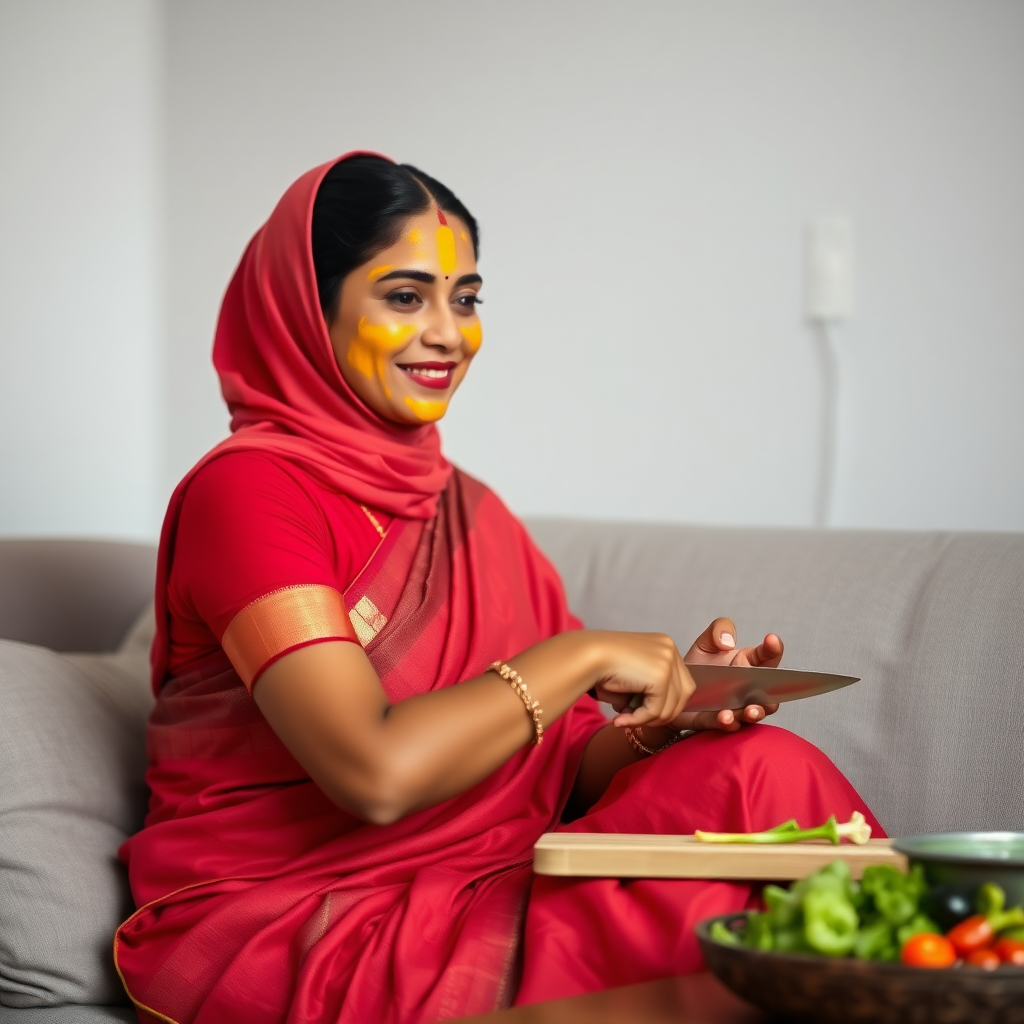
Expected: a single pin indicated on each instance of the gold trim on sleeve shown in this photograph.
(283, 619)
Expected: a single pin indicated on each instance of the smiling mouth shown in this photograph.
(437, 376)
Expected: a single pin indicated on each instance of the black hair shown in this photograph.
(359, 210)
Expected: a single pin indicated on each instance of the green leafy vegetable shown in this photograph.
(720, 933)
(915, 926)
(876, 941)
(894, 895)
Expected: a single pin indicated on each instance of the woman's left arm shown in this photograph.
(609, 749)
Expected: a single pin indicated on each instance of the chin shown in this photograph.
(428, 410)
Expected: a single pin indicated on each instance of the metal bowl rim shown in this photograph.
(909, 845)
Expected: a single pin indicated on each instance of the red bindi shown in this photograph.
(441, 216)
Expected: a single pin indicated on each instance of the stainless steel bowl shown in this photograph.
(970, 858)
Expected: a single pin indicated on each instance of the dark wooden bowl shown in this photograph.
(849, 991)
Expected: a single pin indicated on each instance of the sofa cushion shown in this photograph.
(72, 759)
(69, 1014)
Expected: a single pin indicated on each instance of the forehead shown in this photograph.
(426, 237)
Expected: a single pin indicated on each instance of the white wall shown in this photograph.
(642, 172)
(80, 248)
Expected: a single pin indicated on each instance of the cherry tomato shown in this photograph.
(987, 959)
(1010, 951)
(927, 950)
(967, 936)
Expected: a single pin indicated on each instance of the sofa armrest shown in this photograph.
(73, 595)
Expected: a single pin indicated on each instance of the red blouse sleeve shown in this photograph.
(260, 562)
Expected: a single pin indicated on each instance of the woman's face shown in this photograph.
(406, 327)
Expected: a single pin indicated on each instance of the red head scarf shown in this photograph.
(283, 387)
(287, 396)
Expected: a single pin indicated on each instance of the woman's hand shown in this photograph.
(717, 646)
(642, 666)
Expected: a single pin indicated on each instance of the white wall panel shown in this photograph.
(80, 252)
(642, 172)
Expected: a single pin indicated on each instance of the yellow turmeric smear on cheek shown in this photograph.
(474, 336)
(370, 351)
(427, 409)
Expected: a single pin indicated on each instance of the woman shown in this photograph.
(337, 831)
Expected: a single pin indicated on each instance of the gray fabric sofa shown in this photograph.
(932, 622)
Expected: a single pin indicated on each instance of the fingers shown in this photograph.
(619, 701)
(729, 720)
(718, 638)
(660, 706)
(723, 721)
(768, 653)
(633, 719)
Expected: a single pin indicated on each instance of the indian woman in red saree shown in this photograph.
(329, 525)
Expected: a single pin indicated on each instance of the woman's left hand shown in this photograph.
(717, 646)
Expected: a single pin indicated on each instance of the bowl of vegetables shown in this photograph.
(832, 949)
(963, 861)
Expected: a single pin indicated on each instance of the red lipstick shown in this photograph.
(437, 376)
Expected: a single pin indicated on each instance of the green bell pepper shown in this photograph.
(830, 921)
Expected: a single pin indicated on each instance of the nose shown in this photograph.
(442, 331)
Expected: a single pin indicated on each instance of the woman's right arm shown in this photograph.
(380, 761)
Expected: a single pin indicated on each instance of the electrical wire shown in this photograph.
(828, 343)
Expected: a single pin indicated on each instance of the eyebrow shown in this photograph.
(427, 278)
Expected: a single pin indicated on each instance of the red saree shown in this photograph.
(260, 901)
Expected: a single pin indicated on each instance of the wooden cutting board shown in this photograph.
(588, 854)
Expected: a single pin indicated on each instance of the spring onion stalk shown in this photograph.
(857, 830)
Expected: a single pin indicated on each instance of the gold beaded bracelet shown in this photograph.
(515, 680)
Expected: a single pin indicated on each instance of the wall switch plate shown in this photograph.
(828, 268)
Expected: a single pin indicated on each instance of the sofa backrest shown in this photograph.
(933, 623)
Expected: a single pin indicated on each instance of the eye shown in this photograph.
(405, 298)
(467, 302)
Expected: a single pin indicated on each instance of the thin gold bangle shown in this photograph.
(515, 680)
(634, 736)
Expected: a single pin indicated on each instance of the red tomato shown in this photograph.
(1010, 951)
(967, 936)
(926, 950)
(988, 959)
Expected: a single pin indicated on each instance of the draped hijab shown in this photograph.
(287, 397)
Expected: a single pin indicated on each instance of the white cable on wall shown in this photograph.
(828, 280)
(828, 345)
